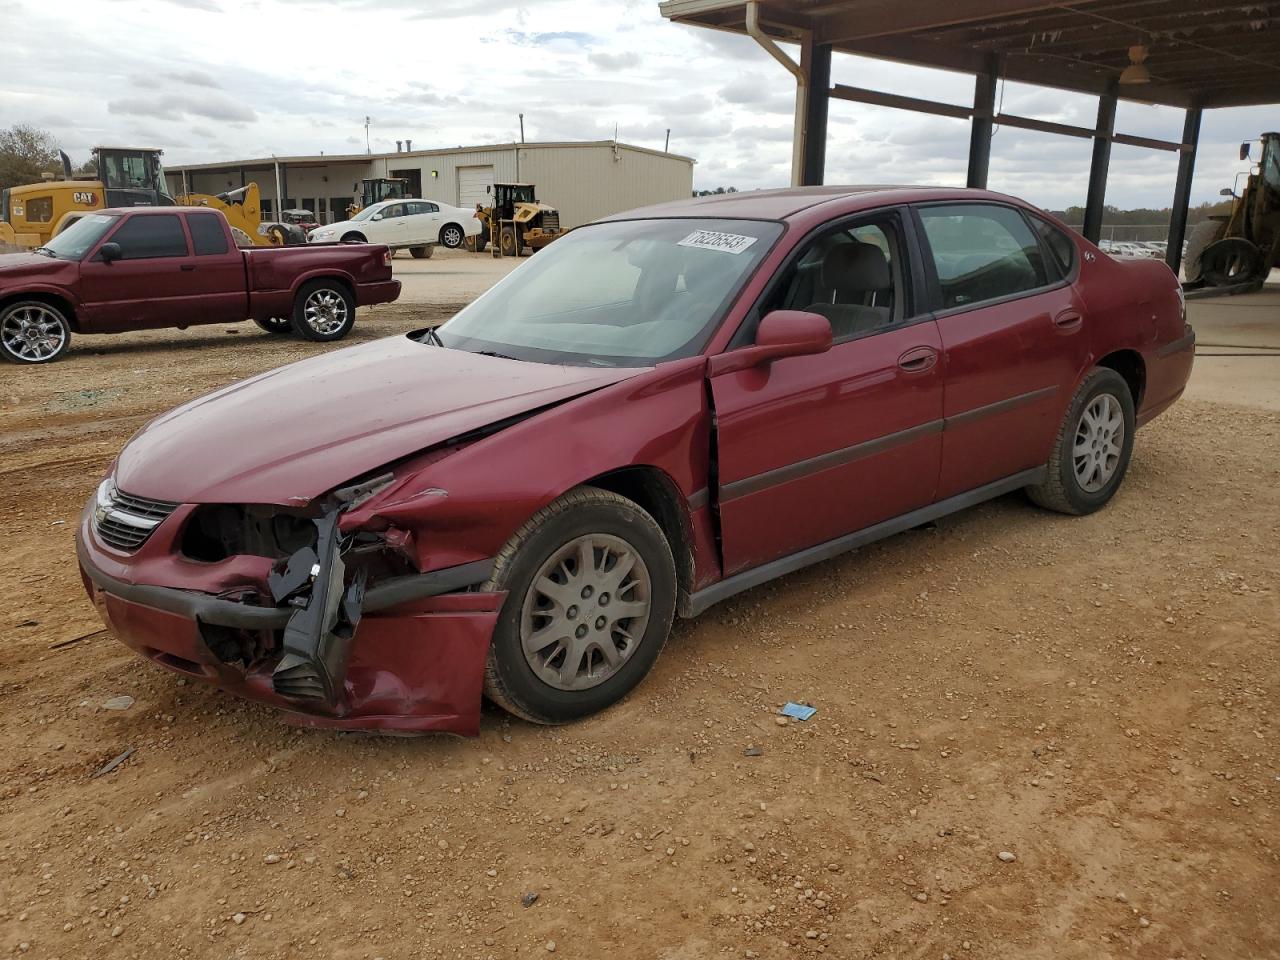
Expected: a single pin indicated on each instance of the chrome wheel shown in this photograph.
(585, 612)
(452, 238)
(33, 333)
(325, 312)
(1099, 443)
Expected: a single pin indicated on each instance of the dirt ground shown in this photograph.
(1095, 697)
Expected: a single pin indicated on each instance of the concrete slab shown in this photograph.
(1238, 349)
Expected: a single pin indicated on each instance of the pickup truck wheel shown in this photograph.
(32, 331)
(1091, 453)
(452, 236)
(422, 253)
(277, 325)
(591, 592)
(323, 310)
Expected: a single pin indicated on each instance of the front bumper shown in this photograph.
(416, 661)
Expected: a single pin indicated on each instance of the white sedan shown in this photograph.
(414, 225)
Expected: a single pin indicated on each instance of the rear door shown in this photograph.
(424, 221)
(812, 448)
(219, 275)
(150, 286)
(1012, 331)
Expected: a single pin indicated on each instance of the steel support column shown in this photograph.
(984, 108)
(1182, 189)
(815, 61)
(1097, 196)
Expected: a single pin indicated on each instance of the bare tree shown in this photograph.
(26, 152)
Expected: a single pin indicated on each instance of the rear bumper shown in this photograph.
(383, 291)
(416, 661)
(1168, 370)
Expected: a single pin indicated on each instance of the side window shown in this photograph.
(392, 210)
(433, 208)
(981, 252)
(151, 235)
(207, 234)
(1060, 245)
(852, 276)
(40, 210)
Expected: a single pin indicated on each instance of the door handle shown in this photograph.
(186, 267)
(918, 359)
(1068, 321)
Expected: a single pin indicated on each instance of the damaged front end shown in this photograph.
(335, 625)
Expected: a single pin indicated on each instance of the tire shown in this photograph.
(451, 236)
(323, 310)
(481, 241)
(279, 235)
(281, 326)
(544, 686)
(1231, 261)
(422, 253)
(354, 237)
(507, 241)
(33, 331)
(1070, 484)
(1210, 231)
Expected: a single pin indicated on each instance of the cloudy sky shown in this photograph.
(226, 79)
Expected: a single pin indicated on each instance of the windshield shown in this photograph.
(78, 239)
(367, 212)
(630, 293)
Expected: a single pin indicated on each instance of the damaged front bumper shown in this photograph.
(401, 653)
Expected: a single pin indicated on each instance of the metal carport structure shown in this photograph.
(1193, 54)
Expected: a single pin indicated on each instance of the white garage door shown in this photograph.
(473, 185)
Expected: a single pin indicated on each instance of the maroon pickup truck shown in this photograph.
(154, 267)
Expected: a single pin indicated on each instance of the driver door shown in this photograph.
(393, 228)
(815, 447)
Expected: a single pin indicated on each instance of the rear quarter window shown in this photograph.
(1061, 247)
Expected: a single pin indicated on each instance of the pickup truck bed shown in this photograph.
(145, 268)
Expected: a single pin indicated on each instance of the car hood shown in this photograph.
(28, 264)
(292, 434)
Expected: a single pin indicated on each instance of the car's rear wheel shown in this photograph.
(591, 592)
(451, 236)
(33, 331)
(1094, 444)
(323, 310)
(422, 253)
(281, 326)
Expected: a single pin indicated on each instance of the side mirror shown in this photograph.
(1244, 150)
(782, 333)
(376, 216)
(110, 252)
(1226, 192)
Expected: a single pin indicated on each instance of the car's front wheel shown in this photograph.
(1094, 444)
(33, 331)
(323, 310)
(591, 592)
(451, 236)
(354, 237)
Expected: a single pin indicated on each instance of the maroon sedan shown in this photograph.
(655, 413)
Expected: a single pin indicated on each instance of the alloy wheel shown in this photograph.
(325, 312)
(452, 237)
(33, 333)
(1099, 442)
(585, 612)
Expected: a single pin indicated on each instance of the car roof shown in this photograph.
(118, 211)
(788, 202)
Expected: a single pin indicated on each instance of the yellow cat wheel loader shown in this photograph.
(1241, 248)
(516, 221)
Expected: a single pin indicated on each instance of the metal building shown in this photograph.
(584, 180)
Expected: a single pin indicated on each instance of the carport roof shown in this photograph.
(1201, 53)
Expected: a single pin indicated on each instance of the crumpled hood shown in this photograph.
(291, 434)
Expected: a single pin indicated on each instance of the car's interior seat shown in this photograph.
(857, 288)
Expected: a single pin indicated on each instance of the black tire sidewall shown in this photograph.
(279, 326)
(518, 679)
(1100, 381)
(300, 325)
(62, 319)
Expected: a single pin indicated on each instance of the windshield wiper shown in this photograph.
(494, 353)
(432, 337)
(46, 251)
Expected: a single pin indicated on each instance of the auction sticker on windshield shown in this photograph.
(713, 240)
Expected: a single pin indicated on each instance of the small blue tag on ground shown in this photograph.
(799, 711)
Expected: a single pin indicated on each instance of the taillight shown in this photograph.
(386, 258)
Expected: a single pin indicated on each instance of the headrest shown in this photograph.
(856, 266)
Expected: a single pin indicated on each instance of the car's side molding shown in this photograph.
(700, 601)
(1000, 406)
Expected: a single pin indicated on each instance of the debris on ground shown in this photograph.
(800, 711)
(112, 764)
